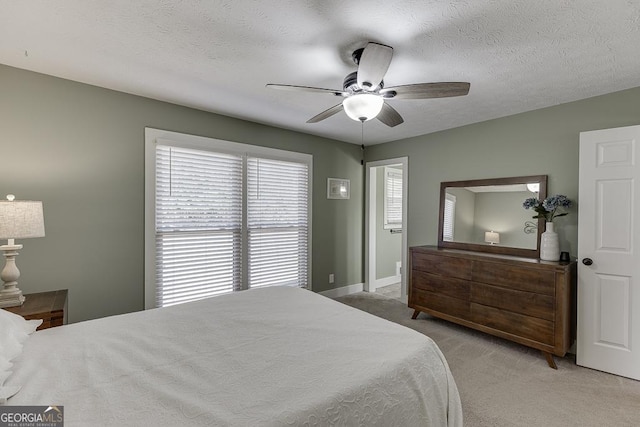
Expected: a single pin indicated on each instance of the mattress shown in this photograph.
(274, 356)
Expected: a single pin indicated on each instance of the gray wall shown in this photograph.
(544, 142)
(502, 212)
(80, 149)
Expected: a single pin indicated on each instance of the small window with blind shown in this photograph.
(223, 217)
(392, 198)
(449, 217)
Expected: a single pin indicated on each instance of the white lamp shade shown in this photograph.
(363, 106)
(21, 219)
(492, 237)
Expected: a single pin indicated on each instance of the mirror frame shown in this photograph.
(502, 250)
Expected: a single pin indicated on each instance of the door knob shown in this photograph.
(587, 261)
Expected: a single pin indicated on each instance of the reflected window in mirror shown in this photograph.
(449, 217)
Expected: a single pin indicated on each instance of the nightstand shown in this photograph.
(51, 307)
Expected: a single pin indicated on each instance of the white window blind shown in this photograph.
(198, 224)
(449, 217)
(277, 222)
(392, 198)
(224, 218)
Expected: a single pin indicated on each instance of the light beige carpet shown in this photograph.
(390, 291)
(505, 384)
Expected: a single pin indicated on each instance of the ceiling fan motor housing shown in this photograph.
(350, 84)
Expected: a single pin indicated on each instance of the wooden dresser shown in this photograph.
(51, 307)
(524, 300)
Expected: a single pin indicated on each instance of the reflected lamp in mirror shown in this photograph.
(492, 237)
(19, 219)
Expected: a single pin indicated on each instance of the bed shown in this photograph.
(275, 356)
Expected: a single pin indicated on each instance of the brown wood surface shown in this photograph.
(550, 361)
(522, 278)
(524, 300)
(452, 267)
(527, 303)
(517, 324)
(48, 306)
(443, 285)
(442, 303)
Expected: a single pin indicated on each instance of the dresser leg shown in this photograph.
(415, 314)
(550, 361)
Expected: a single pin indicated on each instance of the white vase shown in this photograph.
(549, 245)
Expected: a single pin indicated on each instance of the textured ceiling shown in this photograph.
(518, 55)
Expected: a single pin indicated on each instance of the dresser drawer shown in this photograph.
(442, 265)
(441, 303)
(532, 328)
(513, 277)
(448, 286)
(521, 302)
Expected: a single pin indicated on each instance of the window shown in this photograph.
(392, 198)
(223, 217)
(449, 217)
(278, 222)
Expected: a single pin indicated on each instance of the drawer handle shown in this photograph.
(587, 261)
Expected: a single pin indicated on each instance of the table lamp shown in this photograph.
(19, 219)
(492, 237)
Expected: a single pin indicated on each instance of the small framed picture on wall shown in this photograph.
(338, 188)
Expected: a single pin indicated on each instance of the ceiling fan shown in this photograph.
(363, 92)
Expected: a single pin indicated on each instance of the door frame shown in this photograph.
(608, 328)
(370, 229)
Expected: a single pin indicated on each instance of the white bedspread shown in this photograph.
(264, 357)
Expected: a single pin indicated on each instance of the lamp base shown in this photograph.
(10, 294)
(11, 298)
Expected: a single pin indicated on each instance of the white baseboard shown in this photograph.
(344, 290)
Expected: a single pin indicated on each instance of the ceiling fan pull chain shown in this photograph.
(362, 146)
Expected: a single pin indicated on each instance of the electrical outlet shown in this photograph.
(331, 278)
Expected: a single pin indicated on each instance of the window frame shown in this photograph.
(158, 136)
(449, 217)
(386, 224)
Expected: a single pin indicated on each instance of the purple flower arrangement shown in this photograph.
(548, 208)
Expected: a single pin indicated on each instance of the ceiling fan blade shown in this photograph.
(373, 65)
(426, 90)
(295, 88)
(326, 114)
(389, 116)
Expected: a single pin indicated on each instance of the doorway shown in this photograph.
(386, 227)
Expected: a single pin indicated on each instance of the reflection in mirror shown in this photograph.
(493, 209)
(487, 215)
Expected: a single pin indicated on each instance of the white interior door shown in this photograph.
(608, 336)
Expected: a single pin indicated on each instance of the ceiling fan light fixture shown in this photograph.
(362, 107)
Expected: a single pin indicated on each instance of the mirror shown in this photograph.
(486, 215)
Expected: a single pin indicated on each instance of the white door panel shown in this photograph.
(608, 291)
